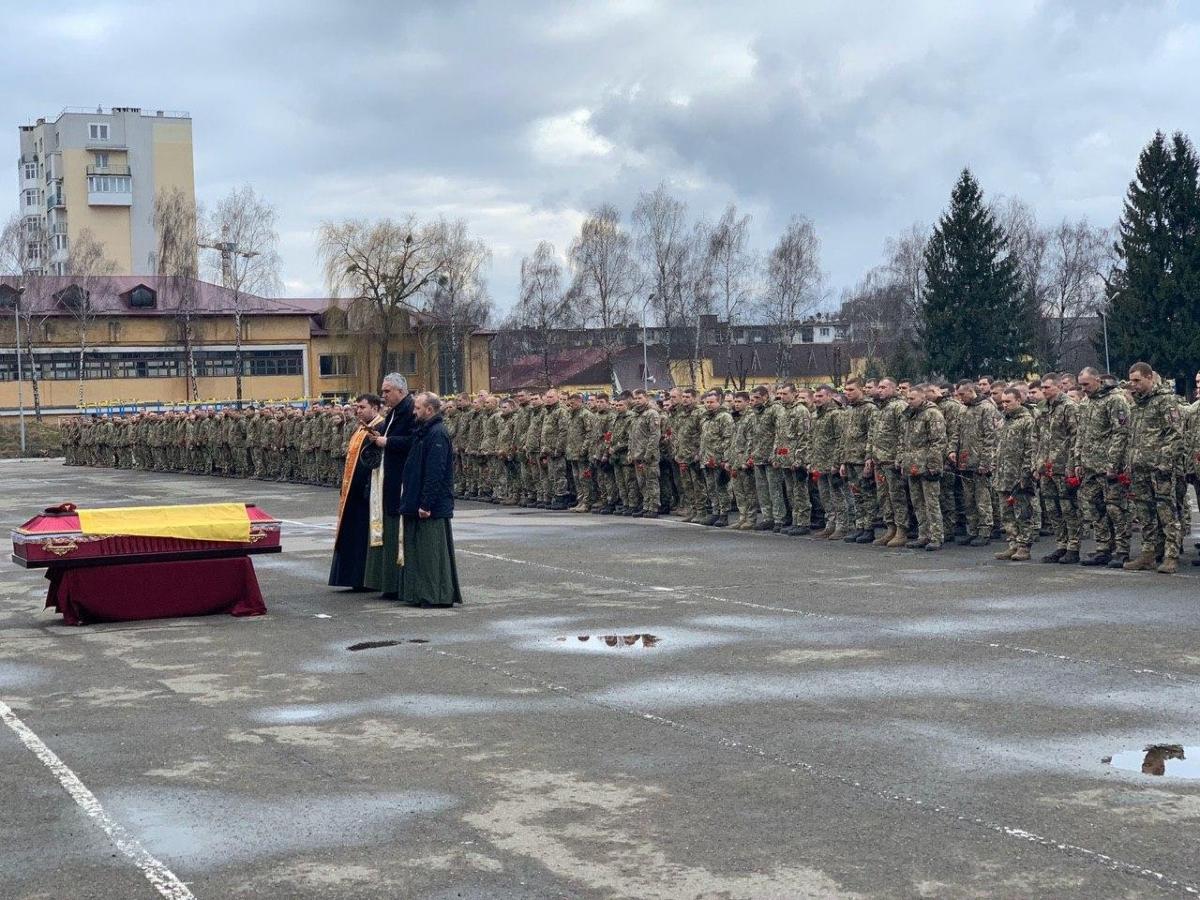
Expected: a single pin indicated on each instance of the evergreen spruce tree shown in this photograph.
(1154, 291)
(973, 312)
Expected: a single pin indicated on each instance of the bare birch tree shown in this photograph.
(176, 224)
(384, 271)
(660, 223)
(241, 243)
(793, 286)
(1074, 286)
(88, 293)
(24, 242)
(731, 268)
(606, 278)
(457, 304)
(543, 307)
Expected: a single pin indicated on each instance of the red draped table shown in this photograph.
(124, 592)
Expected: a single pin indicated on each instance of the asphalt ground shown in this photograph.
(808, 720)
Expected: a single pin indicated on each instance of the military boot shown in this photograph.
(1069, 558)
(981, 540)
(1143, 563)
(1005, 554)
(866, 536)
(883, 539)
(824, 532)
(837, 535)
(916, 543)
(1099, 558)
(1021, 554)
(1169, 566)
(1118, 561)
(1053, 557)
(899, 539)
(852, 536)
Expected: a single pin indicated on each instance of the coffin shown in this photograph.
(54, 539)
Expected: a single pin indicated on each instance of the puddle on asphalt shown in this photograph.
(617, 641)
(373, 645)
(1159, 759)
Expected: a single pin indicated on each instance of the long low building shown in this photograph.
(135, 349)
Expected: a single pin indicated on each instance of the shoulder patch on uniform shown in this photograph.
(1122, 418)
(1173, 415)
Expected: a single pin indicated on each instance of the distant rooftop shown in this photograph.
(114, 110)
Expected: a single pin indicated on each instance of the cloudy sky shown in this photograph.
(520, 116)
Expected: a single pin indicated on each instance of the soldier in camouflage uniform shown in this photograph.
(489, 430)
(762, 449)
(973, 456)
(740, 462)
(716, 431)
(623, 468)
(860, 417)
(555, 418)
(685, 421)
(508, 485)
(796, 440)
(891, 486)
(1057, 482)
(599, 442)
(645, 452)
(1154, 462)
(951, 411)
(533, 453)
(579, 420)
(1015, 466)
(923, 455)
(825, 461)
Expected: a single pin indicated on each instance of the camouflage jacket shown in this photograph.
(533, 433)
(1059, 426)
(599, 436)
(859, 418)
(924, 444)
(741, 440)
(886, 430)
(952, 412)
(1156, 432)
(768, 418)
(686, 441)
(578, 425)
(796, 438)
(554, 430)
(976, 447)
(1015, 452)
(716, 429)
(825, 450)
(489, 430)
(645, 437)
(505, 446)
(1102, 436)
(621, 426)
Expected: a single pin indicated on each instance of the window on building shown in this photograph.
(142, 297)
(824, 332)
(33, 250)
(100, 160)
(333, 396)
(216, 365)
(8, 367)
(332, 364)
(60, 241)
(31, 172)
(98, 131)
(97, 365)
(806, 334)
(8, 296)
(31, 196)
(402, 361)
(108, 184)
(274, 362)
(162, 367)
(59, 367)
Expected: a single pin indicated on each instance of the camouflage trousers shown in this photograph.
(949, 501)
(977, 503)
(529, 479)
(835, 498)
(892, 490)
(741, 481)
(926, 494)
(627, 486)
(1155, 504)
(781, 497)
(866, 501)
(1061, 502)
(585, 481)
(648, 485)
(795, 486)
(605, 478)
(1102, 503)
(716, 497)
(763, 475)
(1020, 524)
(554, 478)
(690, 479)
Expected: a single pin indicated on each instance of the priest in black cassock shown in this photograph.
(359, 538)
(394, 439)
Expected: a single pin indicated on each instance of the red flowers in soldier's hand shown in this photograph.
(1010, 500)
(712, 463)
(587, 473)
(782, 451)
(1073, 481)
(816, 476)
(914, 471)
(1124, 479)
(608, 437)
(750, 461)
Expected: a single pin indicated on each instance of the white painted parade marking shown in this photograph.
(163, 879)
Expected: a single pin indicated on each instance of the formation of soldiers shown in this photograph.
(280, 443)
(878, 462)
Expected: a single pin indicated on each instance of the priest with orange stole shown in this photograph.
(360, 509)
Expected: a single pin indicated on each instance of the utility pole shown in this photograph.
(20, 373)
(228, 250)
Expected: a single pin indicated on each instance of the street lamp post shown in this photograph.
(645, 347)
(1104, 325)
(20, 371)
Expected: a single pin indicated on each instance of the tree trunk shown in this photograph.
(385, 340)
(35, 382)
(82, 351)
(237, 351)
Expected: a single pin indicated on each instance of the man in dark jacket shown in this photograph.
(393, 437)
(429, 576)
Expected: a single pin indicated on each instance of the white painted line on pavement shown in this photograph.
(163, 879)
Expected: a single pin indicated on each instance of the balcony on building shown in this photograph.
(55, 200)
(109, 186)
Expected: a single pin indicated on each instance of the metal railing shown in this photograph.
(53, 201)
(108, 170)
(112, 110)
